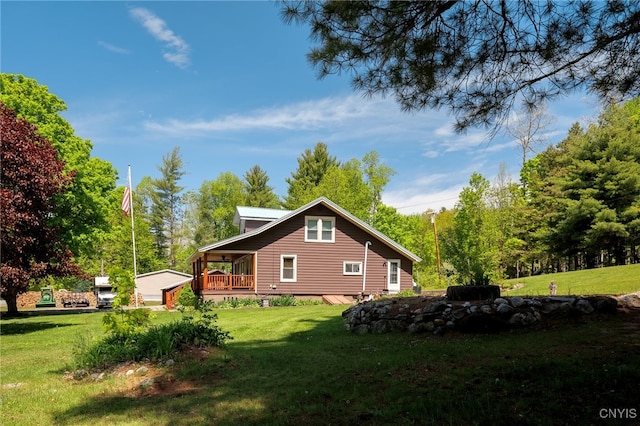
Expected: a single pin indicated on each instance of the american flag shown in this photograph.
(126, 200)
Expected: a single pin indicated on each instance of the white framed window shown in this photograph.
(351, 268)
(319, 229)
(288, 268)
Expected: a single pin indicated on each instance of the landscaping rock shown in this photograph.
(423, 314)
(630, 300)
(147, 383)
(516, 301)
(142, 371)
(584, 306)
(80, 374)
(504, 308)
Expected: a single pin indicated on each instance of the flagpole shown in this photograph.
(133, 238)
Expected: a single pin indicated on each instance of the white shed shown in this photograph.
(151, 284)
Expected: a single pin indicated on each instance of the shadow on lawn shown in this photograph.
(323, 374)
(239, 384)
(8, 329)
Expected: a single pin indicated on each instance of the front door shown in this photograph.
(393, 275)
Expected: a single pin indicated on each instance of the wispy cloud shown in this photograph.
(309, 115)
(177, 50)
(115, 49)
(418, 199)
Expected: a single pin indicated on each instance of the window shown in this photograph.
(288, 267)
(352, 268)
(319, 229)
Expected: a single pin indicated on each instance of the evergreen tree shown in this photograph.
(166, 208)
(587, 191)
(312, 166)
(476, 58)
(257, 191)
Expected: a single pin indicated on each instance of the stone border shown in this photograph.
(437, 315)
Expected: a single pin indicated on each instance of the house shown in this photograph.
(316, 250)
(152, 285)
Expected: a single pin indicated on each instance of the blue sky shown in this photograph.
(228, 82)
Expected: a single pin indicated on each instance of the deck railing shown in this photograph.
(171, 296)
(230, 282)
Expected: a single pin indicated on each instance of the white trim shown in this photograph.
(320, 220)
(295, 268)
(396, 286)
(351, 262)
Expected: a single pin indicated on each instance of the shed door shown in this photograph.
(393, 275)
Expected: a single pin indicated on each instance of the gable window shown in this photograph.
(320, 229)
(352, 268)
(288, 268)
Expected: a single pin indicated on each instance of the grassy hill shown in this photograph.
(612, 280)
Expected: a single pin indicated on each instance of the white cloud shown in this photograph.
(112, 48)
(348, 117)
(420, 199)
(177, 49)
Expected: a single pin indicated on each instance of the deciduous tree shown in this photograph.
(83, 207)
(31, 178)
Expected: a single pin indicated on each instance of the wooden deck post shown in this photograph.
(205, 273)
(255, 271)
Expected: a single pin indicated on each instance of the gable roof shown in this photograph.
(164, 271)
(324, 201)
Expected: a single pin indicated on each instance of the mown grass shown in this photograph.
(297, 365)
(612, 280)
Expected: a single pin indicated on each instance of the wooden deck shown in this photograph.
(229, 282)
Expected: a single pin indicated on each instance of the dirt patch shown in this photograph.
(148, 379)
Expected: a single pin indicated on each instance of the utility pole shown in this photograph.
(435, 233)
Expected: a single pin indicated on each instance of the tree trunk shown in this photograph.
(12, 303)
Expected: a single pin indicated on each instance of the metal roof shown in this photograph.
(257, 213)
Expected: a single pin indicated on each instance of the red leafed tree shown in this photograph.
(31, 175)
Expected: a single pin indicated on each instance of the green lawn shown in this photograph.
(297, 365)
(612, 280)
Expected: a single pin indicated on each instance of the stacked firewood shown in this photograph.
(29, 299)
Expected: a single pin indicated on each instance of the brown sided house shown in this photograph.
(318, 249)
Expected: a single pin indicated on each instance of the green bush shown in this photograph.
(126, 322)
(186, 297)
(233, 303)
(129, 340)
(284, 300)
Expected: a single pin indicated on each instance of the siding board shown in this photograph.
(319, 264)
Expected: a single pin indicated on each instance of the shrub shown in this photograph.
(187, 298)
(126, 322)
(130, 338)
(284, 300)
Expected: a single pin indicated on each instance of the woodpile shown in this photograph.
(29, 299)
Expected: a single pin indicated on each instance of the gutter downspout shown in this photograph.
(364, 266)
